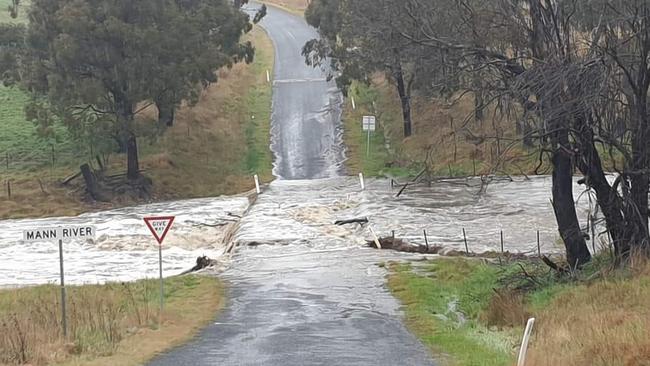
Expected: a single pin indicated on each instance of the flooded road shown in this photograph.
(302, 291)
(306, 292)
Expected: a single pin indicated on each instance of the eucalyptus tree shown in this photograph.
(99, 63)
(359, 38)
(12, 45)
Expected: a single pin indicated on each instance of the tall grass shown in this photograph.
(99, 317)
(599, 322)
(599, 316)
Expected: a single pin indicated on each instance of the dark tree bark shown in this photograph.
(133, 164)
(91, 181)
(405, 99)
(577, 251)
(125, 118)
(166, 112)
(610, 203)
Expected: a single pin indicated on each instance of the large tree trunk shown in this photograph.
(639, 186)
(564, 205)
(166, 111)
(133, 165)
(125, 119)
(405, 99)
(590, 164)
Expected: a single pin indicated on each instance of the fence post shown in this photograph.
(521, 361)
(257, 184)
(502, 251)
(465, 239)
(426, 240)
(539, 248)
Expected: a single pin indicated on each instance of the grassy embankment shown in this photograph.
(471, 313)
(112, 324)
(212, 149)
(438, 128)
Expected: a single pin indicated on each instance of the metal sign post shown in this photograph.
(64, 317)
(60, 234)
(159, 227)
(369, 124)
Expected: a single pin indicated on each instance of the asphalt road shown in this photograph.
(306, 135)
(300, 294)
(303, 291)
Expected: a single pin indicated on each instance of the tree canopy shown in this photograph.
(95, 64)
(575, 73)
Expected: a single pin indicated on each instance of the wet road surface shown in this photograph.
(306, 132)
(307, 292)
(303, 291)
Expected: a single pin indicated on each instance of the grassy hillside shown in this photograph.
(474, 313)
(455, 144)
(214, 147)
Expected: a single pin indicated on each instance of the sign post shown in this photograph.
(60, 234)
(159, 227)
(64, 315)
(369, 124)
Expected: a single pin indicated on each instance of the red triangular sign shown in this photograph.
(159, 226)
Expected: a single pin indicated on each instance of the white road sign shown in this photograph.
(369, 123)
(159, 226)
(59, 233)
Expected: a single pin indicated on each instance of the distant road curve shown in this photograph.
(306, 133)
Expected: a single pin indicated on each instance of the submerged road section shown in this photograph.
(306, 133)
(300, 296)
(303, 291)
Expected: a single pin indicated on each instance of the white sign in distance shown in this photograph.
(64, 233)
(369, 123)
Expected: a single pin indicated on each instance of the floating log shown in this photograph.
(201, 263)
(363, 220)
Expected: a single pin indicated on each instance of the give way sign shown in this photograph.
(159, 226)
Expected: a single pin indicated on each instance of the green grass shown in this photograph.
(20, 139)
(258, 158)
(427, 299)
(601, 301)
(376, 161)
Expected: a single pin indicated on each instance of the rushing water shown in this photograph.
(290, 214)
(306, 292)
(123, 249)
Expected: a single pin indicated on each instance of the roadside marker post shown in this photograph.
(159, 227)
(362, 182)
(369, 125)
(521, 361)
(257, 184)
(354, 105)
(268, 76)
(60, 234)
